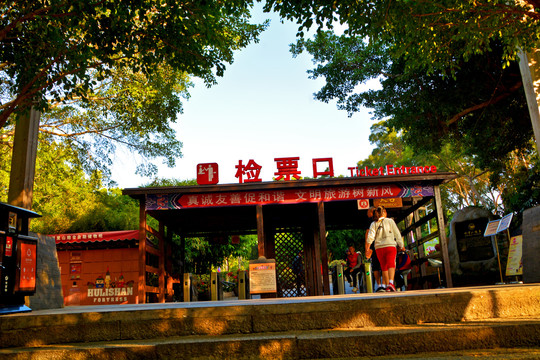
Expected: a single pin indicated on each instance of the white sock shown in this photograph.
(391, 282)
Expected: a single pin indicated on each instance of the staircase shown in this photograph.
(492, 322)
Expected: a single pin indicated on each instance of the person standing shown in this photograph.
(354, 261)
(386, 236)
(375, 265)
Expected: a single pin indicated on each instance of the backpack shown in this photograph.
(403, 261)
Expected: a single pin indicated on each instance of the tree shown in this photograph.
(430, 36)
(472, 186)
(60, 50)
(484, 100)
(128, 110)
(453, 118)
(68, 199)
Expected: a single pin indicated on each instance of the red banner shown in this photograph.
(284, 196)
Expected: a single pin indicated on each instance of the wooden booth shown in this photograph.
(102, 268)
(292, 218)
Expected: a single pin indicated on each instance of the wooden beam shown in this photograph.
(260, 231)
(432, 178)
(153, 251)
(23, 160)
(417, 204)
(418, 223)
(442, 237)
(153, 231)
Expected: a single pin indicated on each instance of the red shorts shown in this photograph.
(387, 257)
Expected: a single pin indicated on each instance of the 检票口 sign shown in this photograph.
(288, 169)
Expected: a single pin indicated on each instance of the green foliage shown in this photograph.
(472, 187)
(202, 254)
(67, 199)
(129, 110)
(61, 50)
(430, 118)
(522, 191)
(338, 241)
(162, 182)
(483, 101)
(430, 36)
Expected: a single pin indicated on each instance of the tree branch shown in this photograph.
(485, 104)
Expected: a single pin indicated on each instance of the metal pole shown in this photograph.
(498, 258)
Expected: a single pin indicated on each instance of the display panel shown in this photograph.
(27, 265)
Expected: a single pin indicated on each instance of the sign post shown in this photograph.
(493, 228)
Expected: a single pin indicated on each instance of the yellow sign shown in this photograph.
(514, 265)
(388, 203)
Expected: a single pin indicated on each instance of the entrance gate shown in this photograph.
(290, 264)
(289, 218)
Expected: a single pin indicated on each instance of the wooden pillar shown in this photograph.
(168, 265)
(23, 160)
(317, 265)
(141, 293)
(260, 231)
(309, 261)
(442, 236)
(161, 272)
(324, 249)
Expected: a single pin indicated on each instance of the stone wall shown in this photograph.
(48, 284)
(531, 245)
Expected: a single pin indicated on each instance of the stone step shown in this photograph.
(481, 339)
(379, 324)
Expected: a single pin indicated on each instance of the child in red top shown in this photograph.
(354, 261)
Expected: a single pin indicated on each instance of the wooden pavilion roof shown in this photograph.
(229, 220)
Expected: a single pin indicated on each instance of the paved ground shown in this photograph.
(233, 301)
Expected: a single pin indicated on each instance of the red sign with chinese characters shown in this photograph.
(9, 246)
(207, 174)
(251, 170)
(284, 196)
(329, 171)
(27, 279)
(287, 167)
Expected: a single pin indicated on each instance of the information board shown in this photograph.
(28, 261)
(515, 265)
(262, 277)
(491, 228)
(505, 222)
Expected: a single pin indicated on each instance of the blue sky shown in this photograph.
(263, 108)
